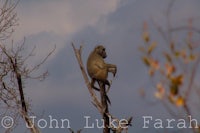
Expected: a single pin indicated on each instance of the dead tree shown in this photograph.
(102, 104)
(14, 70)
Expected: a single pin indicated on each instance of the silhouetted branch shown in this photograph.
(72, 131)
(95, 100)
(8, 18)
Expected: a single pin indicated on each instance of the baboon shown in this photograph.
(97, 68)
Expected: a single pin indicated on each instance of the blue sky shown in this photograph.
(115, 23)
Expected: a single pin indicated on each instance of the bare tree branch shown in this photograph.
(95, 100)
(8, 18)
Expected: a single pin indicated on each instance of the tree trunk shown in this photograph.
(104, 103)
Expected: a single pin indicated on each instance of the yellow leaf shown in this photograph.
(192, 57)
(158, 95)
(152, 47)
(171, 99)
(151, 72)
(160, 88)
(180, 101)
(177, 54)
(145, 36)
(146, 61)
(178, 80)
(154, 64)
(168, 57)
(170, 68)
(174, 89)
(160, 91)
(183, 53)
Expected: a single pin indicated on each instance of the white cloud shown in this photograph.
(61, 17)
(47, 23)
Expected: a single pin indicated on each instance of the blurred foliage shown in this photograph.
(172, 78)
(173, 67)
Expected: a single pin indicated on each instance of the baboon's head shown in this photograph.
(101, 50)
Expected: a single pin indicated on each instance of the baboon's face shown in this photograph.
(101, 51)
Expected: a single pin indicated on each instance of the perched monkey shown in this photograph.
(97, 68)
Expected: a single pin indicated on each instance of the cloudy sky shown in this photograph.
(115, 23)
